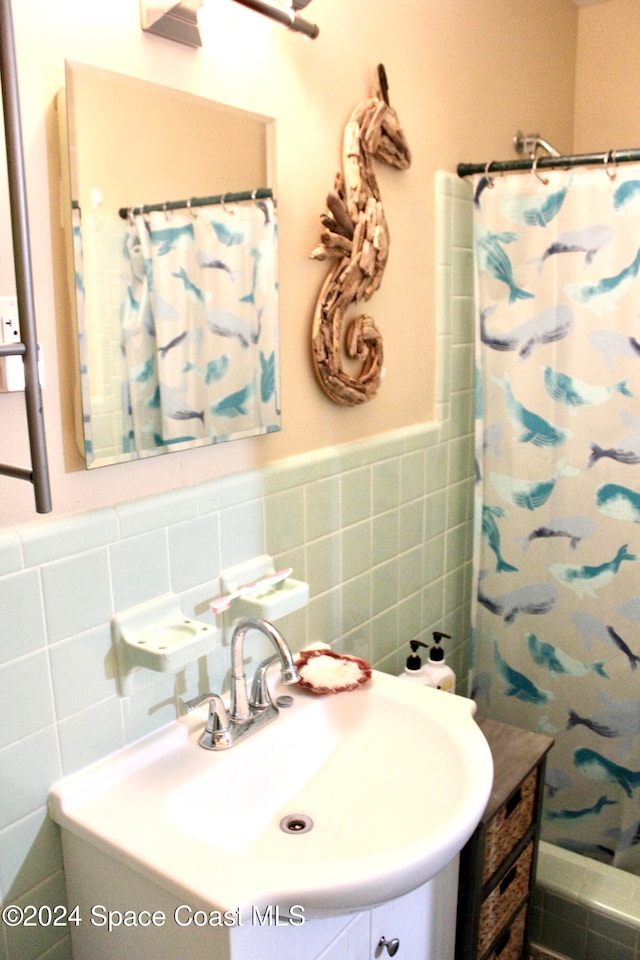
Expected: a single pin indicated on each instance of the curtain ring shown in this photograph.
(538, 175)
(490, 180)
(194, 213)
(225, 207)
(166, 211)
(611, 156)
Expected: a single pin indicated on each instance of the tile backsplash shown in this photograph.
(380, 529)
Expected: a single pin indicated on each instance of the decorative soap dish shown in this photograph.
(323, 671)
(157, 635)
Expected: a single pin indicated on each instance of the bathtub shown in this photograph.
(584, 908)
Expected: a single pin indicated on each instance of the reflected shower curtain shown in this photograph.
(200, 324)
(557, 545)
(86, 441)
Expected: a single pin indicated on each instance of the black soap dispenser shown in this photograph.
(414, 670)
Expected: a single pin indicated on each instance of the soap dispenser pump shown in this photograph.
(436, 672)
(414, 670)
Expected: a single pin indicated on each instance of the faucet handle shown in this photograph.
(260, 696)
(199, 700)
(217, 732)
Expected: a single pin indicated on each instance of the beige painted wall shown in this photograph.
(464, 75)
(608, 77)
(127, 153)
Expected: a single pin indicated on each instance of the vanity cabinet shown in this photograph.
(123, 914)
(497, 865)
(412, 927)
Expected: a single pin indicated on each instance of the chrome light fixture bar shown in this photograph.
(287, 16)
(175, 21)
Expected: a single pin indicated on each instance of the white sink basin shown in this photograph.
(394, 778)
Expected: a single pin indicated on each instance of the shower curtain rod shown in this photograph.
(608, 157)
(262, 193)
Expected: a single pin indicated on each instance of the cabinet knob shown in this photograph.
(391, 946)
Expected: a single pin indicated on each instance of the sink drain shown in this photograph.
(296, 823)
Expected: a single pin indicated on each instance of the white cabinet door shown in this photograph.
(405, 920)
(352, 943)
(311, 940)
(422, 921)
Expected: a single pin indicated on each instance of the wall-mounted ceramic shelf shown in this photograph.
(274, 601)
(156, 635)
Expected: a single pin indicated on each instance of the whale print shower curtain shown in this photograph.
(557, 522)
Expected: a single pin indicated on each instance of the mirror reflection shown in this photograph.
(174, 267)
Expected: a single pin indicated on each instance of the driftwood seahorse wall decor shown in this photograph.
(356, 236)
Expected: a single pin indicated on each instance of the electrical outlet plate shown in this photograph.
(12, 368)
(9, 322)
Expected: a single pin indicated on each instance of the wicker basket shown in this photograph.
(510, 944)
(504, 899)
(509, 825)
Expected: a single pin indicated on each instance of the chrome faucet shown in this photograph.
(241, 708)
(245, 715)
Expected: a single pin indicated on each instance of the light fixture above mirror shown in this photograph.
(175, 21)
(179, 21)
